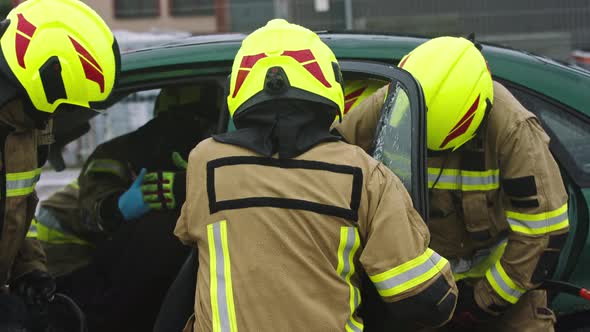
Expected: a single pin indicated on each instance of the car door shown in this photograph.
(400, 143)
(400, 138)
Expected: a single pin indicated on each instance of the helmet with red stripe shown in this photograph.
(457, 87)
(284, 61)
(57, 52)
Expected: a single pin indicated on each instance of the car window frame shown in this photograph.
(564, 158)
(381, 70)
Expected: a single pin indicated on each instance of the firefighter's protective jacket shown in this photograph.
(498, 204)
(20, 170)
(282, 242)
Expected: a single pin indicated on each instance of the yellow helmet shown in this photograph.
(457, 87)
(355, 91)
(58, 52)
(284, 61)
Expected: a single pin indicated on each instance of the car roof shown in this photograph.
(567, 85)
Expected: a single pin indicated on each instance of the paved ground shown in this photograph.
(52, 181)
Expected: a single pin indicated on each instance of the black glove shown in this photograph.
(35, 288)
(468, 313)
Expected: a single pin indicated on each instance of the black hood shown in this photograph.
(286, 127)
(167, 133)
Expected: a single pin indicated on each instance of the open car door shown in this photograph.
(400, 138)
(400, 144)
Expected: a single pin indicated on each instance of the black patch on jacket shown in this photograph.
(473, 160)
(415, 307)
(480, 235)
(524, 204)
(520, 187)
(286, 203)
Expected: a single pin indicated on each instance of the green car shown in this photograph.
(558, 94)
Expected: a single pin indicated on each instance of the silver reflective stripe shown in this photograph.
(21, 184)
(352, 326)
(47, 219)
(406, 276)
(350, 239)
(220, 267)
(464, 179)
(540, 223)
(347, 270)
(357, 297)
(502, 284)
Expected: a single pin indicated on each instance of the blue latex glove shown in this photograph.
(131, 202)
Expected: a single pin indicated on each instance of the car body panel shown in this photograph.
(565, 84)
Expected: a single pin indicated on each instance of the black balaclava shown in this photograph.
(288, 127)
(172, 131)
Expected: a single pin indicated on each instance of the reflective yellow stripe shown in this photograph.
(32, 232)
(74, 184)
(221, 291)
(349, 244)
(21, 183)
(502, 283)
(410, 274)
(540, 223)
(479, 263)
(107, 166)
(46, 228)
(457, 179)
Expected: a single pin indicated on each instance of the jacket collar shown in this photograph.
(286, 127)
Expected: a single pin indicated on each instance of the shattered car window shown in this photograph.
(393, 145)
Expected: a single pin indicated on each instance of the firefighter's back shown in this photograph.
(280, 236)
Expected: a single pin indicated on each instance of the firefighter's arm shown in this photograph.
(195, 195)
(30, 255)
(415, 280)
(535, 203)
(102, 181)
(359, 125)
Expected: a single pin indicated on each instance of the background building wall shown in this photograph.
(547, 27)
(164, 21)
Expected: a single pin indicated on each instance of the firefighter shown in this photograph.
(114, 224)
(355, 91)
(498, 204)
(285, 217)
(55, 55)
